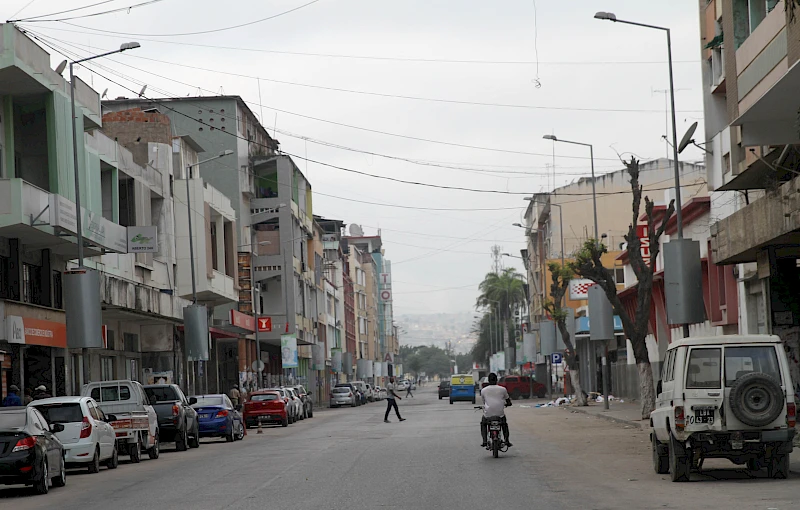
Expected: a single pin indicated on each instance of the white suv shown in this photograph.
(725, 397)
(88, 438)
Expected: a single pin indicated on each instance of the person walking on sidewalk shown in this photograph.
(408, 390)
(391, 402)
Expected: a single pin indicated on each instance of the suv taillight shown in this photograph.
(176, 410)
(680, 418)
(791, 414)
(86, 428)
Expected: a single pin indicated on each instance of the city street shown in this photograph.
(349, 459)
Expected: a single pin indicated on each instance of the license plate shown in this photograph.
(704, 416)
(203, 416)
(494, 426)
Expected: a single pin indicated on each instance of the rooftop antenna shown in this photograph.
(60, 68)
(141, 92)
(105, 94)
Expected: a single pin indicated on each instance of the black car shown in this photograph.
(177, 420)
(444, 389)
(30, 453)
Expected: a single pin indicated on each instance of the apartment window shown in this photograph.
(127, 202)
(58, 291)
(107, 368)
(131, 342)
(110, 340)
(747, 15)
(214, 264)
(32, 284)
(619, 275)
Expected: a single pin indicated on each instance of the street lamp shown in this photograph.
(610, 16)
(222, 154)
(79, 228)
(594, 194)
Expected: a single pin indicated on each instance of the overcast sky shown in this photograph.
(438, 257)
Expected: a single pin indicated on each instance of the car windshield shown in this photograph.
(111, 393)
(13, 420)
(341, 389)
(214, 400)
(740, 361)
(62, 413)
(265, 397)
(162, 394)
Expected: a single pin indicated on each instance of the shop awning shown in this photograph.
(715, 42)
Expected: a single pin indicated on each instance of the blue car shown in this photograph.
(218, 418)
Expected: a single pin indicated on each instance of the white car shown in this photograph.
(294, 407)
(370, 393)
(88, 439)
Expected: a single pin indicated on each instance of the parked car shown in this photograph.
(266, 406)
(136, 426)
(725, 397)
(370, 393)
(383, 393)
(444, 389)
(483, 383)
(343, 396)
(298, 403)
(403, 385)
(354, 389)
(519, 386)
(305, 397)
(177, 420)
(216, 417)
(88, 437)
(30, 453)
(292, 405)
(361, 386)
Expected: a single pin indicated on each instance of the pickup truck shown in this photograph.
(136, 424)
(177, 420)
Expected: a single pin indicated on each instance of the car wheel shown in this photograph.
(541, 394)
(194, 440)
(42, 486)
(182, 441)
(61, 480)
(778, 466)
(678, 461)
(155, 451)
(353, 403)
(229, 437)
(451, 401)
(515, 395)
(660, 457)
(240, 435)
(135, 452)
(113, 462)
(94, 465)
(440, 397)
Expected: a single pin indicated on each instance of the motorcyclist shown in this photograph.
(495, 400)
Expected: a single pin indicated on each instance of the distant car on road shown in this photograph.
(31, 453)
(216, 417)
(88, 438)
(266, 406)
(519, 386)
(444, 389)
(343, 396)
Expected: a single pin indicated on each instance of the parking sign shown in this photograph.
(556, 358)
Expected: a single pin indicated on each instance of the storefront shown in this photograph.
(34, 349)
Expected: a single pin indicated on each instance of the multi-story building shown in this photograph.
(750, 80)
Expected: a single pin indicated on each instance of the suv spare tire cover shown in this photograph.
(756, 399)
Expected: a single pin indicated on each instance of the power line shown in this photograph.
(36, 19)
(198, 32)
(393, 59)
(29, 4)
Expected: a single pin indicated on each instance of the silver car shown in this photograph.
(342, 396)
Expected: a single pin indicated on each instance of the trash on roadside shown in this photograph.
(525, 407)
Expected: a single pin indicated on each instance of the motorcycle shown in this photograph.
(495, 443)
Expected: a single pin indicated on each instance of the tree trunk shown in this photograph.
(575, 381)
(647, 391)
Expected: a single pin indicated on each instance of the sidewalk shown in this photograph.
(630, 414)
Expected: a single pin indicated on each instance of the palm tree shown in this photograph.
(503, 293)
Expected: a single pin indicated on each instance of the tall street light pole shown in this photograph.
(79, 227)
(594, 193)
(610, 16)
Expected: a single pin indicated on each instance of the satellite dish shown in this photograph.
(687, 138)
(105, 93)
(141, 92)
(61, 67)
(356, 231)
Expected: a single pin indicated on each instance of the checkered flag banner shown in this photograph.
(579, 289)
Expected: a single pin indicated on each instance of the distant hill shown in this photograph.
(437, 329)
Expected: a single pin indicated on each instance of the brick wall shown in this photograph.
(128, 126)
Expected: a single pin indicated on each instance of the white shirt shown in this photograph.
(389, 390)
(494, 400)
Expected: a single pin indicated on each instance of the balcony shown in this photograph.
(267, 266)
(264, 209)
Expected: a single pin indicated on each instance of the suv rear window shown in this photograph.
(703, 370)
(164, 394)
(13, 419)
(743, 360)
(62, 413)
(112, 393)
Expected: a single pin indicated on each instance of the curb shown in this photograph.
(613, 419)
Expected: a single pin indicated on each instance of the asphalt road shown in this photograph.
(340, 459)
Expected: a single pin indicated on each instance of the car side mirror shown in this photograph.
(659, 387)
(111, 417)
(56, 428)
(192, 401)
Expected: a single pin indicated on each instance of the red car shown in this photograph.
(266, 406)
(520, 386)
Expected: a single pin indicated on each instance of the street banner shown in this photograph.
(289, 351)
(377, 372)
(528, 347)
(520, 354)
(336, 360)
